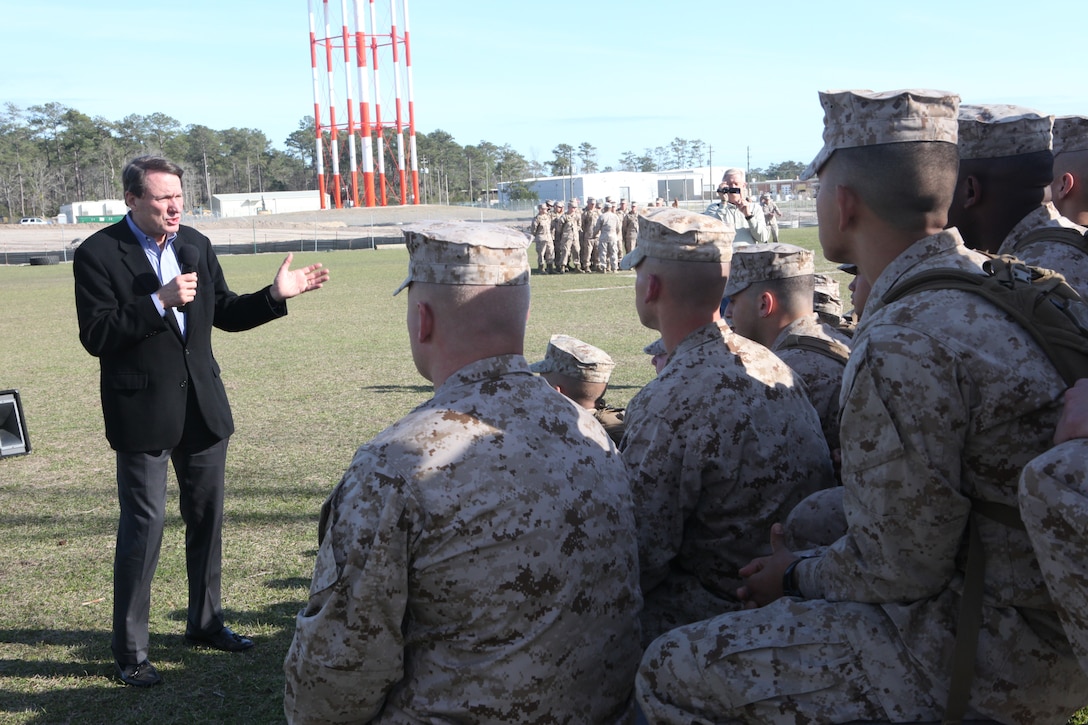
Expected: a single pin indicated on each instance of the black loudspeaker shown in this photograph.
(13, 438)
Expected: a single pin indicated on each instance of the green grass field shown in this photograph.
(306, 391)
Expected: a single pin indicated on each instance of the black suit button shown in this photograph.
(184, 383)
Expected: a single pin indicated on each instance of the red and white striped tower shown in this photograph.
(377, 102)
(396, 89)
(354, 37)
(351, 103)
(319, 154)
(334, 144)
(413, 155)
(364, 106)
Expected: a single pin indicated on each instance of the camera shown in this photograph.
(728, 189)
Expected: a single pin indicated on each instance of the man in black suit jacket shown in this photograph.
(148, 292)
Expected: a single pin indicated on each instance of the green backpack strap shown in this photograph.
(824, 346)
(969, 621)
(1039, 300)
(1059, 235)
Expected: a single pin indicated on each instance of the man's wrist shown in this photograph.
(790, 587)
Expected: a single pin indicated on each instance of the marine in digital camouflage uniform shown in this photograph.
(827, 303)
(568, 230)
(581, 372)
(590, 236)
(478, 560)
(1069, 190)
(1006, 163)
(630, 228)
(608, 231)
(659, 356)
(722, 443)
(859, 288)
(541, 231)
(771, 292)
(944, 399)
(771, 213)
(1054, 507)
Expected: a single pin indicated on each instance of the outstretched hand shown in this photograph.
(763, 575)
(291, 283)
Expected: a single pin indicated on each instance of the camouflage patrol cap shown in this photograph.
(865, 118)
(1070, 134)
(570, 356)
(655, 348)
(465, 253)
(825, 295)
(668, 233)
(761, 262)
(996, 130)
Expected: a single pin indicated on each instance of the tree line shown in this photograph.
(51, 155)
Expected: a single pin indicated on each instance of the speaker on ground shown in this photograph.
(14, 440)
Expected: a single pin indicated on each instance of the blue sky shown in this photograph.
(622, 75)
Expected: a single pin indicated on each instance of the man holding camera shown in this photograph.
(738, 211)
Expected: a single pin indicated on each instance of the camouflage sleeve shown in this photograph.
(1064, 258)
(1053, 501)
(347, 652)
(655, 456)
(903, 421)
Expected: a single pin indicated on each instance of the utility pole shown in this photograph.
(207, 181)
(710, 165)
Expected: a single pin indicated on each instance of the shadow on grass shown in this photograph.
(200, 685)
(49, 531)
(400, 388)
(292, 582)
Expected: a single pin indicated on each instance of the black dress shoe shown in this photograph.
(141, 675)
(225, 639)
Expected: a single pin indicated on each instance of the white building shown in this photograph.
(269, 202)
(101, 211)
(687, 185)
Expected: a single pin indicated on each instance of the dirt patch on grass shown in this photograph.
(360, 222)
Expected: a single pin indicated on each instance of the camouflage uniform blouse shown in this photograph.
(568, 228)
(478, 564)
(607, 227)
(630, 230)
(720, 445)
(944, 398)
(822, 374)
(1058, 256)
(1054, 506)
(541, 227)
